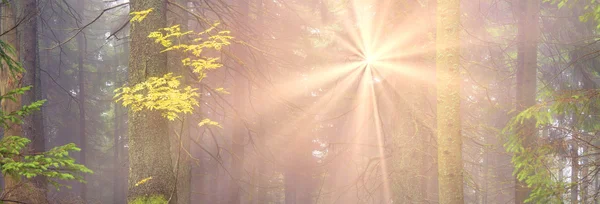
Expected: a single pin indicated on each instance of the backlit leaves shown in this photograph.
(209, 122)
(139, 16)
(159, 93)
(143, 181)
(164, 93)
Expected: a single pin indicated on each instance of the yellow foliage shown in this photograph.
(222, 90)
(199, 64)
(209, 122)
(143, 181)
(163, 93)
(159, 93)
(170, 32)
(139, 16)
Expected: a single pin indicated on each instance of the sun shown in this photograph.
(370, 60)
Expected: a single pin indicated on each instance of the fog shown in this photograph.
(300, 101)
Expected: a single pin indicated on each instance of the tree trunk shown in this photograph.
(117, 198)
(149, 155)
(528, 32)
(32, 124)
(574, 172)
(22, 189)
(262, 164)
(450, 165)
(81, 54)
(239, 133)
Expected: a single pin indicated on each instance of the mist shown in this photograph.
(299, 101)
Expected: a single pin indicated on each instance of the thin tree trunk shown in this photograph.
(239, 133)
(116, 137)
(450, 165)
(574, 172)
(262, 180)
(149, 154)
(81, 51)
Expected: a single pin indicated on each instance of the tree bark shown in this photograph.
(149, 154)
(450, 165)
(528, 32)
(32, 124)
(18, 189)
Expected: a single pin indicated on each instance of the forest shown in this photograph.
(299, 101)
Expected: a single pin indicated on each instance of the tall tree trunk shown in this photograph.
(262, 164)
(450, 165)
(81, 54)
(116, 165)
(149, 154)
(18, 189)
(239, 133)
(528, 32)
(117, 198)
(32, 124)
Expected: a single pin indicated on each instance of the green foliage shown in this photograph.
(149, 200)
(5, 57)
(591, 9)
(531, 167)
(532, 163)
(54, 164)
(17, 116)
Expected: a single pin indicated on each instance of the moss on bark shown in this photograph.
(450, 166)
(149, 154)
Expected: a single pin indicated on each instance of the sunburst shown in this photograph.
(380, 50)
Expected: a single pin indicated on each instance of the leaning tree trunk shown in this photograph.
(149, 155)
(528, 31)
(450, 165)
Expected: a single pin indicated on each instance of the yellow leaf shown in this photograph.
(143, 181)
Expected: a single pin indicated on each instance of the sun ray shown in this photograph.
(330, 98)
(381, 145)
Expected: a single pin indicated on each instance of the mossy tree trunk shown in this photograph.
(149, 154)
(450, 165)
(528, 32)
